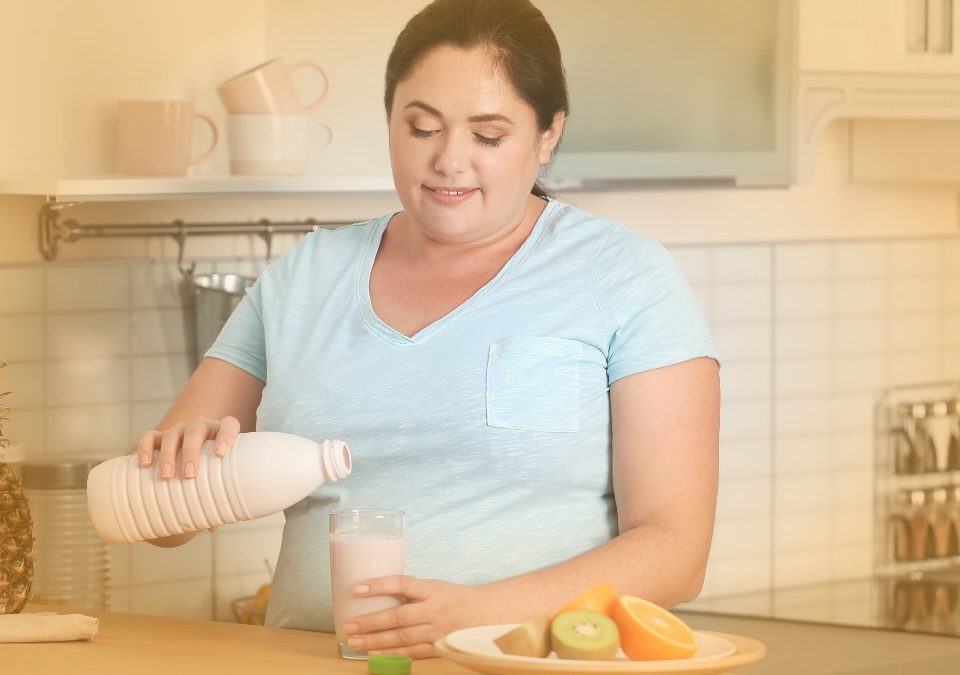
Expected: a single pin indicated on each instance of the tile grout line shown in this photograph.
(773, 426)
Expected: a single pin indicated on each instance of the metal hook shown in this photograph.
(181, 238)
(267, 236)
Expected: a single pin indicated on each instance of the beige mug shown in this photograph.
(156, 137)
(274, 145)
(269, 89)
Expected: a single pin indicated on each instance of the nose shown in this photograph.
(453, 155)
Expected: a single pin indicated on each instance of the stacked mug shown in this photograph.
(269, 131)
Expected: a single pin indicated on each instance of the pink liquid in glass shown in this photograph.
(356, 557)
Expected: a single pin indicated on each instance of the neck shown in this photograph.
(416, 244)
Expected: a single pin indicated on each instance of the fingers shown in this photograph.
(398, 641)
(186, 439)
(226, 435)
(146, 445)
(169, 444)
(195, 433)
(403, 585)
(400, 617)
(408, 629)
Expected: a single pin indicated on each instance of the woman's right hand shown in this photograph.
(186, 439)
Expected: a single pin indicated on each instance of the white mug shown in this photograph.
(272, 145)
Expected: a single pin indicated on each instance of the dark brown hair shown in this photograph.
(517, 35)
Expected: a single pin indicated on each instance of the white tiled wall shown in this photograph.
(810, 333)
(96, 351)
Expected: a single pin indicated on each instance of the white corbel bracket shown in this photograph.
(826, 97)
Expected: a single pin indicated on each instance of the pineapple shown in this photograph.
(16, 535)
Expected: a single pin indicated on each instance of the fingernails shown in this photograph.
(355, 643)
(350, 628)
(221, 449)
(145, 460)
(166, 471)
(361, 589)
(189, 471)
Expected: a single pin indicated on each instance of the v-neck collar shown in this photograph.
(381, 329)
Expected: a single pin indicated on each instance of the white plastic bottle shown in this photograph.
(264, 473)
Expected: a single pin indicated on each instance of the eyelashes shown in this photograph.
(421, 133)
(486, 140)
(429, 133)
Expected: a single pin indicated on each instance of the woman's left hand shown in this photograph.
(430, 610)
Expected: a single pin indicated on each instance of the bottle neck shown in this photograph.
(335, 458)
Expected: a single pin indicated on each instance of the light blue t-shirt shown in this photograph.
(490, 428)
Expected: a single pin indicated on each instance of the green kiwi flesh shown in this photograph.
(531, 638)
(585, 636)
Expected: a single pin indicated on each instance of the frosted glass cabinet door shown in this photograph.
(880, 36)
(696, 89)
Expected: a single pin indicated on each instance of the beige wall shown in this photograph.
(67, 63)
(80, 58)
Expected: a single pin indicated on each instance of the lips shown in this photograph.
(450, 195)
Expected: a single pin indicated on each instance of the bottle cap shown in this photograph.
(385, 664)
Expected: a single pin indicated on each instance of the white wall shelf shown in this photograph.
(126, 188)
(63, 192)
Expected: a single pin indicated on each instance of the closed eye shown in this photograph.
(421, 133)
(486, 140)
(417, 132)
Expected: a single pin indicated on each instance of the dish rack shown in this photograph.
(918, 479)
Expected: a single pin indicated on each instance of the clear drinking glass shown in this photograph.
(364, 544)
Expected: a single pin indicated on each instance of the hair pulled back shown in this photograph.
(517, 35)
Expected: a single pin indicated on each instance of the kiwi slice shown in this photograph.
(585, 636)
(530, 638)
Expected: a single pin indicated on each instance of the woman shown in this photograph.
(532, 385)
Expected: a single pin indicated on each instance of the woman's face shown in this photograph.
(464, 147)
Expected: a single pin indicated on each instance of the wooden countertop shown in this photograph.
(134, 644)
(143, 645)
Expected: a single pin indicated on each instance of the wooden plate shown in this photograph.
(748, 651)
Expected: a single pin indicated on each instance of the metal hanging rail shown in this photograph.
(54, 231)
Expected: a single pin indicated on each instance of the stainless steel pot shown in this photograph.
(215, 298)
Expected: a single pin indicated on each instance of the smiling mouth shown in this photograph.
(452, 192)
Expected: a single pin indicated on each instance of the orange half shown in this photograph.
(649, 632)
(600, 598)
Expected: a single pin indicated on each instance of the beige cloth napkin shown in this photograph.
(47, 627)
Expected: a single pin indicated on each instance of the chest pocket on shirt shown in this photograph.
(533, 383)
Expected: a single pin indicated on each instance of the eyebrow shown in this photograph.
(489, 117)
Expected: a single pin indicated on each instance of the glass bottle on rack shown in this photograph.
(941, 525)
(920, 539)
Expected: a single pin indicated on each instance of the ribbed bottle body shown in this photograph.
(264, 473)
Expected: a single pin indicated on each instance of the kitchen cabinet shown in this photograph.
(880, 36)
(679, 91)
(892, 68)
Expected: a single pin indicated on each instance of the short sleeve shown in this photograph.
(242, 341)
(650, 315)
